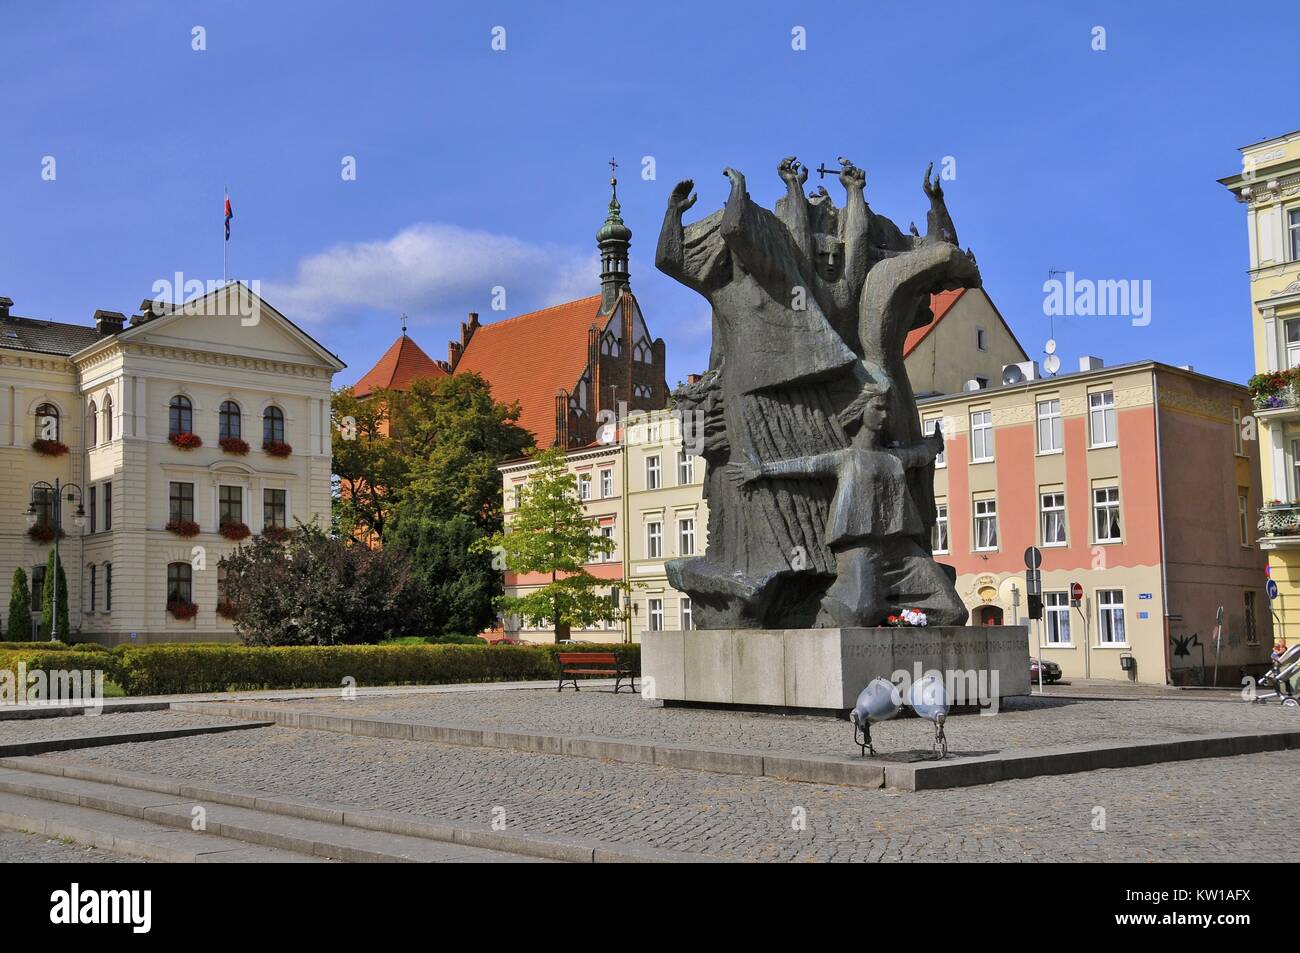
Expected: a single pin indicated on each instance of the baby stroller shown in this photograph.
(1286, 666)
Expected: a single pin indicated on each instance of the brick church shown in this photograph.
(563, 364)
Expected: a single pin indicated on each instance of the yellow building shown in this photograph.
(1268, 185)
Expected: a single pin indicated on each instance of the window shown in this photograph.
(1252, 630)
(1293, 233)
(1105, 512)
(273, 425)
(1056, 611)
(939, 534)
(610, 555)
(230, 422)
(108, 587)
(1110, 612)
(656, 607)
(92, 425)
(653, 476)
(584, 486)
(47, 422)
(981, 339)
(1292, 343)
(230, 505)
(38, 585)
(928, 426)
(1049, 426)
(686, 537)
(179, 582)
(274, 511)
(1101, 418)
(180, 415)
(654, 540)
(685, 468)
(1243, 515)
(606, 483)
(43, 504)
(986, 524)
(1052, 506)
(94, 578)
(108, 418)
(687, 614)
(91, 515)
(981, 436)
(108, 506)
(181, 502)
(1238, 442)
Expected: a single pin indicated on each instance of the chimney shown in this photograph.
(109, 322)
(467, 329)
(692, 378)
(1089, 363)
(5, 305)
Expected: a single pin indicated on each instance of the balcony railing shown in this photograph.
(1277, 390)
(1279, 520)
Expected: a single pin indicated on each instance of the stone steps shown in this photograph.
(157, 824)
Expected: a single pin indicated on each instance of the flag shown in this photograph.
(229, 216)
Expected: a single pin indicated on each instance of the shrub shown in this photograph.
(178, 669)
(185, 440)
(19, 624)
(66, 658)
(276, 534)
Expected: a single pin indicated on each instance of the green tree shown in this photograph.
(53, 572)
(549, 533)
(453, 585)
(368, 464)
(20, 609)
(314, 589)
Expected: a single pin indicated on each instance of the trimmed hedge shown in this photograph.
(182, 669)
(64, 658)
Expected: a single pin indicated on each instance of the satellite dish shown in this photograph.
(1011, 374)
(971, 385)
(1050, 346)
(1051, 363)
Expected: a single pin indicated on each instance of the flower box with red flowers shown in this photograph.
(236, 531)
(277, 448)
(44, 533)
(182, 610)
(182, 527)
(185, 440)
(276, 534)
(226, 609)
(50, 448)
(234, 445)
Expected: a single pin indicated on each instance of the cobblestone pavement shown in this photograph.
(1022, 723)
(1194, 811)
(82, 726)
(20, 847)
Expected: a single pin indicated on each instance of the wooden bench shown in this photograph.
(573, 664)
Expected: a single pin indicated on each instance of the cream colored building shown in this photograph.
(1269, 188)
(114, 394)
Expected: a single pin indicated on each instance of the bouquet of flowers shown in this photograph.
(908, 617)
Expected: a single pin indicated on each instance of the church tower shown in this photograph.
(613, 239)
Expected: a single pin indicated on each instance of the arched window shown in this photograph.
(92, 425)
(179, 582)
(181, 415)
(273, 425)
(230, 422)
(108, 418)
(47, 422)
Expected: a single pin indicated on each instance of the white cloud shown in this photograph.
(434, 272)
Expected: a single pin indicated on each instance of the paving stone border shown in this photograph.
(23, 748)
(785, 765)
(25, 712)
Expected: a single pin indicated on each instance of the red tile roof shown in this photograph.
(401, 364)
(530, 357)
(940, 304)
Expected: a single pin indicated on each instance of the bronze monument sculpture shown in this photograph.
(819, 478)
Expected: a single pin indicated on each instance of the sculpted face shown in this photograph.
(830, 258)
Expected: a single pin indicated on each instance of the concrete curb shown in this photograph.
(24, 748)
(787, 765)
(550, 847)
(23, 712)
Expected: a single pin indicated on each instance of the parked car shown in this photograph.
(507, 640)
(575, 641)
(1051, 672)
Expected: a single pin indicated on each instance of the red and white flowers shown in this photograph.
(908, 617)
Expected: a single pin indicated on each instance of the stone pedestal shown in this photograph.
(823, 670)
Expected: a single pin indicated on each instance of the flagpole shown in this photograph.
(225, 247)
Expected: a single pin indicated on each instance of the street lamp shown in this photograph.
(56, 493)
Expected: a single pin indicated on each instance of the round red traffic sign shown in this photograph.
(1076, 592)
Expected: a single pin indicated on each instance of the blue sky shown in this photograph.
(478, 168)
